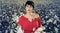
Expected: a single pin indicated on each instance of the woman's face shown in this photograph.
(28, 8)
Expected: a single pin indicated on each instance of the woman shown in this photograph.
(30, 21)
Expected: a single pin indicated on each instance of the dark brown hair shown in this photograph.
(31, 3)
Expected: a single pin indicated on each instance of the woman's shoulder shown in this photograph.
(36, 15)
(21, 17)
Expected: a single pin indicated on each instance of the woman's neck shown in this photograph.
(29, 13)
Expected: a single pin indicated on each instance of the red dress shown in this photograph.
(28, 25)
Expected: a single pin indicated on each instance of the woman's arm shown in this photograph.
(39, 24)
(20, 22)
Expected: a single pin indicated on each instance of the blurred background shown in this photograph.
(49, 11)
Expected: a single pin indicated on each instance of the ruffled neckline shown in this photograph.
(29, 20)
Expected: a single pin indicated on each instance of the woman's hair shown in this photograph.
(31, 3)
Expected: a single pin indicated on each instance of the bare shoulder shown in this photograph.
(36, 15)
(24, 15)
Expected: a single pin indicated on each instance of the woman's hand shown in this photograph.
(34, 29)
(38, 30)
(19, 30)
